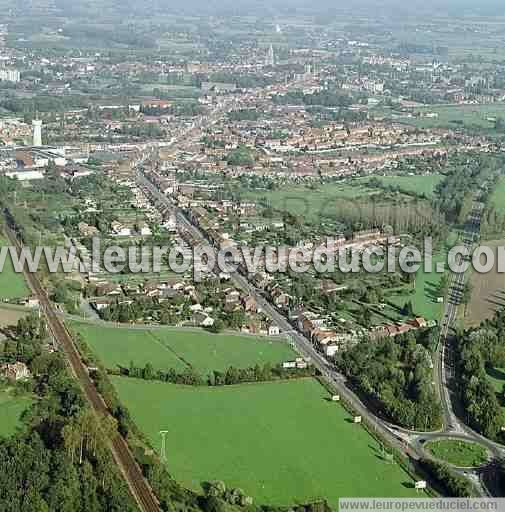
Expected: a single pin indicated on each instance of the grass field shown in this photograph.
(497, 199)
(11, 409)
(312, 204)
(421, 185)
(178, 348)
(474, 117)
(496, 377)
(460, 453)
(282, 443)
(12, 285)
(424, 298)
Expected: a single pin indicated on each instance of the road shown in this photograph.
(139, 488)
(445, 361)
(405, 440)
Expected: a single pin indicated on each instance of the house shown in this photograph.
(202, 319)
(249, 303)
(108, 290)
(119, 230)
(86, 230)
(273, 330)
(419, 323)
(99, 304)
(15, 372)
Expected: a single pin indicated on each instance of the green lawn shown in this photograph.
(11, 409)
(460, 453)
(497, 199)
(282, 442)
(424, 298)
(421, 185)
(496, 377)
(177, 348)
(475, 117)
(312, 204)
(12, 284)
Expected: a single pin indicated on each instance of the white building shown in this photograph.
(10, 75)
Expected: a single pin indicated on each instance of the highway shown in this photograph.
(139, 487)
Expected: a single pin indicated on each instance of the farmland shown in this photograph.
(10, 315)
(179, 348)
(12, 284)
(470, 117)
(11, 409)
(460, 453)
(281, 442)
(488, 293)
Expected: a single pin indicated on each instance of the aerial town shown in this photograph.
(271, 175)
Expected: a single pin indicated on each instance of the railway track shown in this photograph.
(139, 487)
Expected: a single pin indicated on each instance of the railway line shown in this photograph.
(137, 484)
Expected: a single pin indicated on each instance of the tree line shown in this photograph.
(479, 351)
(229, 377)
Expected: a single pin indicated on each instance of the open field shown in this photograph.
(497, 199)
(179, 348)
(10, 316)
(488, 292)
(312, 204)
(460, 453)
(282, 442)
(471, 117)
(11, 409)
(421, 185)
(423, 295)
(12, 285)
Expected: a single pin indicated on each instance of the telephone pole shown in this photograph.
(163, 434)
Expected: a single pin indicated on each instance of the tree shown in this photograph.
(408, 309)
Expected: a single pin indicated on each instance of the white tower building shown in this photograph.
(37, 132)
(270, 58)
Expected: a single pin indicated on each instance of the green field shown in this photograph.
(421, 185)
(12, 284)
(179, 348)
(470, 117)
(312, 204)
(497, 199)
(425, 293)
(11, 409)
(460, 453)
(282, 442)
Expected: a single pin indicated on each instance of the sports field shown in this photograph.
(179, 348)
(282, 442)
(12, 285)
(11, 409)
